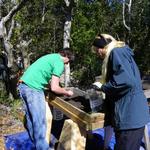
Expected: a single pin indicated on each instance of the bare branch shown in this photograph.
(123, 13)
(11, 29)
(14, 10)
(3, 32)
(24, 44)
(43, 11)
(129, 6)
(1, 3)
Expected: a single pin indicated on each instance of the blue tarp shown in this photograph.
(21, 141)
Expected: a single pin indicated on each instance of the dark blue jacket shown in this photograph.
(128, 106)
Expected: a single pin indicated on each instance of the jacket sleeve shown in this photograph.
(119, 82)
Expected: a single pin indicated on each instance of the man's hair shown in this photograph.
(66, 52)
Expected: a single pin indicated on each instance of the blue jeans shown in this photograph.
(35, 112)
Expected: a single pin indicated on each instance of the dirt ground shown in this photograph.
(8, 124)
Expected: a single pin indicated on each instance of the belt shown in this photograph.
(20, 82)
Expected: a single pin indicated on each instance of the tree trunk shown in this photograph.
(66, 42)
(67, 29)
(6, 28)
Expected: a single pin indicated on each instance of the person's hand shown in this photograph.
(97, 85)
(69, 93)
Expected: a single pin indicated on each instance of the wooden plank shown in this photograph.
(86, 121)
(95, 125)
(70, 114)
(62, 104)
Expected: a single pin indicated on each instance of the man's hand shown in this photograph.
(97, 85)
(69, 93)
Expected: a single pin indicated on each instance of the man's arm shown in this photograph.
(54, 85)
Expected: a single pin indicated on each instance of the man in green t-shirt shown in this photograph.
(43, 72)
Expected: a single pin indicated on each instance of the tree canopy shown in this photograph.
(39, 25)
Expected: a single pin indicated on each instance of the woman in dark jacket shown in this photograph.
(126, 106)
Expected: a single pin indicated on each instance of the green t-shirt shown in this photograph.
(40, 72)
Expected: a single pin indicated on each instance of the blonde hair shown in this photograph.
(113, 44)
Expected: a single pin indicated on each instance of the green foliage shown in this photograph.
(140, 36)
(98, 17)
(46, 32)
(87, 21)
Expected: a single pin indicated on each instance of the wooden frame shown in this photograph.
(87, 121)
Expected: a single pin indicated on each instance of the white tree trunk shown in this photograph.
(9, 47)
(6, 30)
(6, 36)
(66, 42)
(67, 30)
